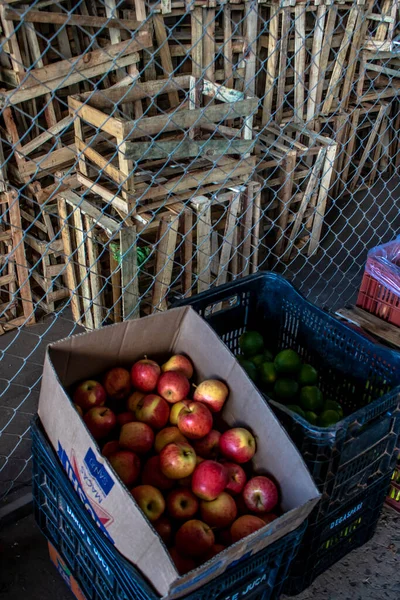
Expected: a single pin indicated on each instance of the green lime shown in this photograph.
(297, 409)
(249, 367)
(308, 375)
(267, 373)
(251, 343)
(285, 389)
(258, 360)
(333, 405)
(328, 417)
(311, 398)
(287, 362)
(311, 417)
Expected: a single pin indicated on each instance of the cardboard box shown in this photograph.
(65, 573)
(179, 330)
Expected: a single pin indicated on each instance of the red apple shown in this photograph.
(182, 504)
(213, 393)
(137, 437)
(195, 421)
(194, 538)
(145, 374)
(176, 409)
(208, 446)
(179, 363)
(214, 550)
(133, 400)
(153, 410)
(125, 417)
(167, 436)
(152, 475)
(183, 564)
(127, 465)
(260, 494)
(209, 480)
(173, 386)
(238, 445)
(110, 448)
(244, 526)
(89, 394)
(177, 460)
(78, 409)
(267, 517)
(220, 512)
(236, 478)
(163, 527)
(150, 500)
(100, 421)
(117, 383)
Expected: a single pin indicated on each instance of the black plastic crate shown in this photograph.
(364, 377)
(332, 538)
(103, 573)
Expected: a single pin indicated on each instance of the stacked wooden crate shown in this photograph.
(159, 148)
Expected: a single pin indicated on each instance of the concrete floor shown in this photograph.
(369, 573)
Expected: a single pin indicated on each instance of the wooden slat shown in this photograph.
(227, 244)
(129, 273)
(68, 252)
(324, 189)
(165, 251)
(202, 206)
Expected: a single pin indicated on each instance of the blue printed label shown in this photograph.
(98, 472)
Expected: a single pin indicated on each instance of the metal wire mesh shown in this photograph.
(150, 150)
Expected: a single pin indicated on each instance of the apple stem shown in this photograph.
(194, 385)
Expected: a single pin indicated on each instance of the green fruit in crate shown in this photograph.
(287, 362)
(248, 367)
(311, 417)
(267, 373)
(258, 360)
(297, 409)
(285, 389)
(328, 417)
(333, 405)
(311, 398)
(251, 343)
(308, 375)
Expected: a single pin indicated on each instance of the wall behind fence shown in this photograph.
(151, 150)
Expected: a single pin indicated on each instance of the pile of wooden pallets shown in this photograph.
(159, 148)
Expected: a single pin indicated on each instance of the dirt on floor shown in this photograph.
(369, 573)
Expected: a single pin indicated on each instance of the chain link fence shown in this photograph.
(149, 151)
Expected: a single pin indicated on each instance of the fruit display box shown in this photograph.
(363, 377)
(330, 539)
(89, 560)
(179, 331)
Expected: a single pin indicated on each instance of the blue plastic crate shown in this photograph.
(101, 571)
(364, 377)
(332, 538)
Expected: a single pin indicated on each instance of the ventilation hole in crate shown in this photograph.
(52, 529)
(67, 552)
(51, 486)
(370, 460)
(103, 587)
(85, 580)
(69, 532)
(86, 560)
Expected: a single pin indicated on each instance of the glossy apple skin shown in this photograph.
(150, 500)
(209, 480)
(260, 494)
(167, 436)
(237, 445)
(153, 410)
(133, 401)
(127, 465)
(110, 448)
(179, 363)
(177, 460)
(213, 393)
(176, 409)
(145, 374)
(244, 526)
(194, 538)
(195, 421)
(173, 386)
(137, 437)
(208, 446)
(117, 383)
(236, 478)
(163, 526)
(100, 421)
(89, 394)
(125, 417)
(220, 512)
(182, 504)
